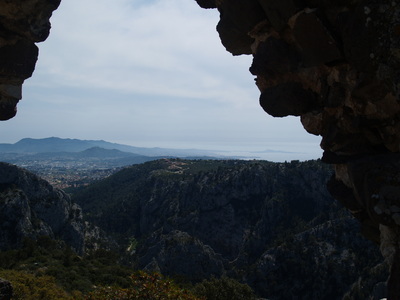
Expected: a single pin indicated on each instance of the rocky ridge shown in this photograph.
(333, 63)
(271, 225)
(336, 65)
(30, 207)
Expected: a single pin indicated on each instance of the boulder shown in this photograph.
(6, 290)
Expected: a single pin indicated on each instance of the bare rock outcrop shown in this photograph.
(333, 63)
(30, 207)
(336, 65)
(6, 290)
(22, 24)
(271, 225)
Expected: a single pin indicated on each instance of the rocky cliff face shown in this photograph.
(273, 226)
(333, 63)
(336, 65)
(30, 207)
(23, 23)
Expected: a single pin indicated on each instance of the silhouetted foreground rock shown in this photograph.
(6, 290)
(333, 63)
(22, 23)
(336, 65)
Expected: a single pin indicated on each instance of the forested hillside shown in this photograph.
(271, 225)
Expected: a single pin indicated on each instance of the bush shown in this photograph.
(28, 287)
(144, 286)
(71, 272)
(223, 289)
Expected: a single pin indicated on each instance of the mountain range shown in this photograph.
(57, 154)
(56, 145)
(270, 225)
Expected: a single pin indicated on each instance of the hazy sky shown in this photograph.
(149, 73)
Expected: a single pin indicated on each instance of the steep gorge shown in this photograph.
(271, 225)
(333, 63)
(30, 207)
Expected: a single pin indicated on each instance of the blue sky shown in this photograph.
(152, 74)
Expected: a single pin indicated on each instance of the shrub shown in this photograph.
(28, 287)
(147, 286)
(223, 289)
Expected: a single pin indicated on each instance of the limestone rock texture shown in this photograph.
(22, 24)
(30, 207)
(273, 226)
(335, 64)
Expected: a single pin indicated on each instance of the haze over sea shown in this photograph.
(149, 74)
(274, 152)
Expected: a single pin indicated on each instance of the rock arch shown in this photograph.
(335, 64)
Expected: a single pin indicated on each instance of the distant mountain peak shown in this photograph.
(56, 144)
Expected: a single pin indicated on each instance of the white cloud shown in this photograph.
(151, 73)
(161, 48)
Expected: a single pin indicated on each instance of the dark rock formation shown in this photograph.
(251, 220)
(30, 207)
(6, 290)
(341, 60)
(177, 252)
(22, 24)
(336, 65)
